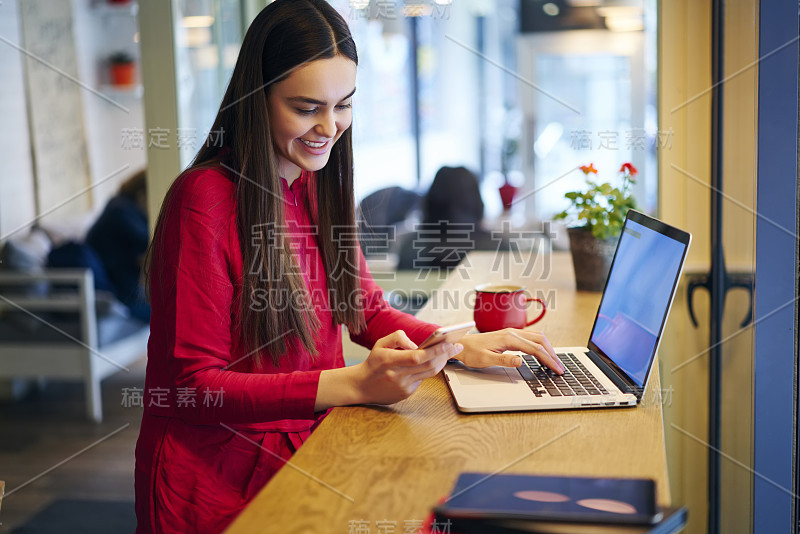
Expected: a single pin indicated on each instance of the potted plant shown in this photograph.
(599, 213)
(122, 69)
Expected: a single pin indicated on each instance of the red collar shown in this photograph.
(296, 193)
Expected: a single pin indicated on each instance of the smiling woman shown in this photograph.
(253, 269)
(308, 118)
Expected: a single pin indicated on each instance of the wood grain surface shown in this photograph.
(381, 469)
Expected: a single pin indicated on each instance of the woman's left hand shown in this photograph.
(485, 350)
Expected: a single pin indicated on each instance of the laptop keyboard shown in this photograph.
(577, 380)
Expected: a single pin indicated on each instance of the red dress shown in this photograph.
(215, 429)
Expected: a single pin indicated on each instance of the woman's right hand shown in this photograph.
(395, 367)
(392, 372)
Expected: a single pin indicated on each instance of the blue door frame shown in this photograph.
(776, 291)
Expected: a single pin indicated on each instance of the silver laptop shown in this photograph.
(615, 367)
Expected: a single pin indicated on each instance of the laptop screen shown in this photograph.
(638, 294)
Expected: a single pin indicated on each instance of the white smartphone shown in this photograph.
(450, 334)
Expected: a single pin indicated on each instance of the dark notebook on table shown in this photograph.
(513, 503)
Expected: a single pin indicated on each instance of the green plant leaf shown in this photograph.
(601, 207)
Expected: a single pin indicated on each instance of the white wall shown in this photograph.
(16, 168)
(112, 121)
(79, 150)
(55, 110)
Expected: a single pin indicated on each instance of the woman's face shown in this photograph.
(309, 111)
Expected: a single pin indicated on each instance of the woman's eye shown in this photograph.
(306, 111)
(345, 106)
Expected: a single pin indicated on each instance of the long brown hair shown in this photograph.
(284, 36)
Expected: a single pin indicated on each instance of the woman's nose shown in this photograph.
(327, 125)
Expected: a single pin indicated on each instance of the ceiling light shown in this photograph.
(624, 24)
(197, 37)
(619, 11)
(622, 18)
(198, 21)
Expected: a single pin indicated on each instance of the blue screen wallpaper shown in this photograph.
(636, 298)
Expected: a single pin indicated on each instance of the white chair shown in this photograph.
(65, 339)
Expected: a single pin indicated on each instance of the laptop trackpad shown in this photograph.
(484, 377)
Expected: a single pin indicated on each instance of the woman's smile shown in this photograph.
(317, 148)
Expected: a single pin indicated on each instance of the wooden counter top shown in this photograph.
(381, 469)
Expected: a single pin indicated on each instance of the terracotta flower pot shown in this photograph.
(591, 258)
(122, 73)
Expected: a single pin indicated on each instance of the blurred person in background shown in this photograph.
(119, 237)
(451, 226)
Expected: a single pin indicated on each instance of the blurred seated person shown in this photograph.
(452, 212)
(383, 217)
(119, 237)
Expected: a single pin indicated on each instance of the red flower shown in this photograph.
(588, 168)
(630, 168)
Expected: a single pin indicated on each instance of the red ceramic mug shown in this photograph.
(503, 306)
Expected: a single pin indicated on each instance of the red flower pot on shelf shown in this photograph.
(122, 70)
